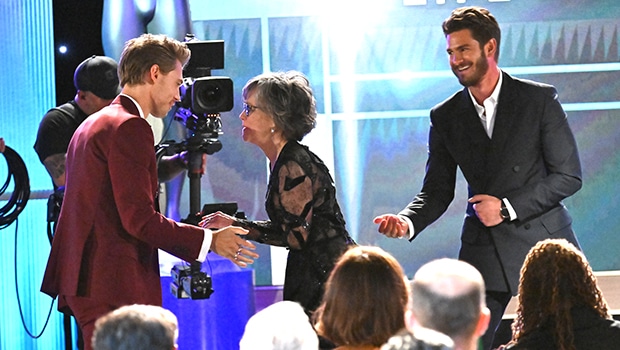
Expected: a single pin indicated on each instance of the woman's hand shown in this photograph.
(216, 220)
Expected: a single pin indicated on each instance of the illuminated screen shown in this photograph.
(375, 80)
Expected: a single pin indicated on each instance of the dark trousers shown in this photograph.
(496, 302)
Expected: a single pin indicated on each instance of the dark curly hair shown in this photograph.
(287, 97)
(480, 22)
(555, 278)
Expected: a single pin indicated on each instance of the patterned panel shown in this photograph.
(26, 92)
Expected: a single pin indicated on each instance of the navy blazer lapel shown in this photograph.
(469, 122)
(471, 119)
(472, 141)
(505, 116)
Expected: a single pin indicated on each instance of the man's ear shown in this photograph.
(490, 47)
(410, 321)
(81, 95)
(153, 74)
(483, 321)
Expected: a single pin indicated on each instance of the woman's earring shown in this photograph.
(273, 130)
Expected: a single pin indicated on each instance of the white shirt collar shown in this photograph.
(491, 99)
(486, 112)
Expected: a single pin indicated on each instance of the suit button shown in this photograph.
(516, 168)
(527, 226)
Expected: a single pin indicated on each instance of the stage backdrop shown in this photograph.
(376, 72)
(377, 67)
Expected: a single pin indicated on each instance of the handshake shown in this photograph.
(228, 240)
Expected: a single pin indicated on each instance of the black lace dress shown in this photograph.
(304, 217)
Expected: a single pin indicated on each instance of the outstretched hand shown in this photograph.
(392, 225)
(228, 244)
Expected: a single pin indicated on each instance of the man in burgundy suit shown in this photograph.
(104, 252)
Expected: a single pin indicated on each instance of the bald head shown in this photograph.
(447, 295)
(449, 277)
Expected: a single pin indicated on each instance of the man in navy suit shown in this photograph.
(512, 141)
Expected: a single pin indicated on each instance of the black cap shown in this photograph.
(99, 75)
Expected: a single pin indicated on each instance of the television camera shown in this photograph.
(202, 98)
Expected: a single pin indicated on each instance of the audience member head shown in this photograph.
(96, 82)
(287, 98)
(479, 21)
(141, 53)
(280, 326)
(448, 296)
(136, 327)
(555, 278)
(365, 299)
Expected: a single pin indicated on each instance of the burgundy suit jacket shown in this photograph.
(108, 232)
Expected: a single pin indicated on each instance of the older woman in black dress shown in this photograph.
(278, 111)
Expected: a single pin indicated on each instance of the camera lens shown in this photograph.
(212, 95)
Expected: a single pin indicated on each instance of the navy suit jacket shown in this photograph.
(108, 232)
(532, 160)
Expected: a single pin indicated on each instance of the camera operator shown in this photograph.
(104, 253)
(96, 82)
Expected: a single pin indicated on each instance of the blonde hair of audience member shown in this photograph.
(365, 299)
(136, 327)
(280, 326)
(555, 277)
(447, 295)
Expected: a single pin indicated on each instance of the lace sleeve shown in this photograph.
(262, 232)
(294, 201)
(289, 204)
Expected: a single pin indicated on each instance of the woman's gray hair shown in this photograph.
(287, 97)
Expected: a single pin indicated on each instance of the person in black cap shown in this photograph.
(96, 82)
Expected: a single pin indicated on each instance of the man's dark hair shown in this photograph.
(480, 22)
